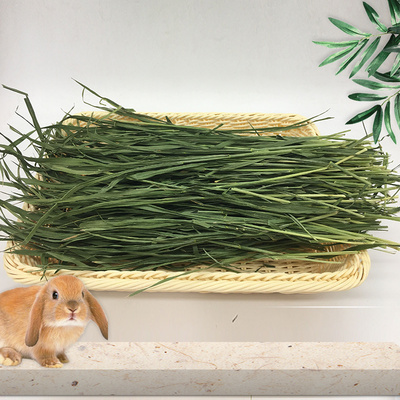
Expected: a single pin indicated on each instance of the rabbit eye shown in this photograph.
(83, 294)
(55, 295)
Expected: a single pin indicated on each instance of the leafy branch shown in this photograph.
(364, 49)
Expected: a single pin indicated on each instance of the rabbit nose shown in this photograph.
(72, 305)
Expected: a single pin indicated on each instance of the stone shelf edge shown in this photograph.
(213, 368)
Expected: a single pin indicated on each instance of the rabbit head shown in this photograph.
(64, 302)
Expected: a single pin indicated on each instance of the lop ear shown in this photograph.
(35, 319)
(97, 312)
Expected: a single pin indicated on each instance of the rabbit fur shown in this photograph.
(41, 322)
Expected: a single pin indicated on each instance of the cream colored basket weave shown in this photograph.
(345, 272)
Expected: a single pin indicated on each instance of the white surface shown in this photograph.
(196, 55)
(213, 368)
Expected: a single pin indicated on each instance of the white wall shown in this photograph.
(204, 55)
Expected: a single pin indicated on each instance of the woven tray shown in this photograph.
(295, 276)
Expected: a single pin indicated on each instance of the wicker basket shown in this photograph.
(343, 273)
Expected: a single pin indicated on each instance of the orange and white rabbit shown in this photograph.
(41, 322)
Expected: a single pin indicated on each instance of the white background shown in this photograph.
(205, 55)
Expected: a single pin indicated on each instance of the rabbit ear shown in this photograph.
(35, 320)
(97, 312)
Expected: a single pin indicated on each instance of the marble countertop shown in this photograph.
(213, 368)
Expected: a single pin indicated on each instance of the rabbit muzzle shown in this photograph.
(72, 308)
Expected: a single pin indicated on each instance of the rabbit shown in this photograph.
(41, 322)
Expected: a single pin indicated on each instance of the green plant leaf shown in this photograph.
(394, 29)
(333, 45)
(396, 65)
(392, 49)
(15, 90)
(366, 97)
(381, 57)
(349, 29)
(386, 77)
(374, 17)
(377, 62)
(367, 54)
(374, 85)
(336, 56)
(397, 109)
(363, 115)
(347, 62)
(394, 8)
(388, 123)
(377, 126)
